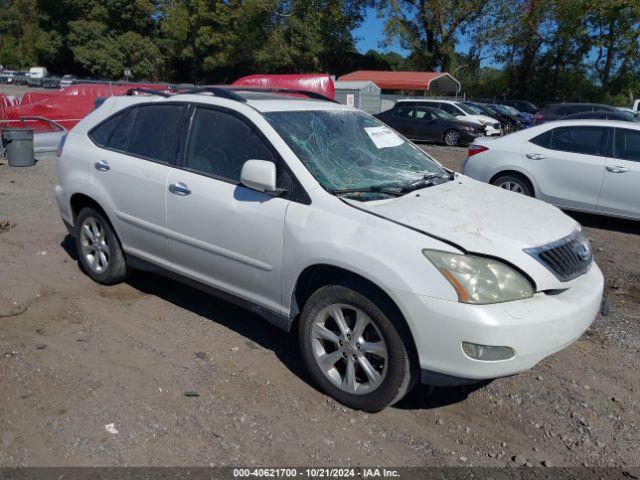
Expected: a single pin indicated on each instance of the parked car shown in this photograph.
(6, 76)
(521, 106)
(507, 121)
(310, 213)
(460, 111)
(67, 81)
(557, 111)
(583, 165)
(430, 124)
(605, 115)
(525, 119)
(20, 78)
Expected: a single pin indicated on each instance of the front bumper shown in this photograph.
(535, 328)
(492, 131)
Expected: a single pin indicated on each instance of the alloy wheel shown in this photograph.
(512, 186)
(452, 138)
(349, 348)
(95, 248)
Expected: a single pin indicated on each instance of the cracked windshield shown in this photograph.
(352, 153)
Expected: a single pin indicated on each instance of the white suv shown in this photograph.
(462, 111)
(318, 216)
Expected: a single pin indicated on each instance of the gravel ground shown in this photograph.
(95, 375)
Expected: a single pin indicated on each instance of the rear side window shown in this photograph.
(542, 140)
(586, 140)
(113, 133)
(155, 132)
(627, 145)
(447, 107)
(220, 143)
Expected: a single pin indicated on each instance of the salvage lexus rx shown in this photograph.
(391, 268)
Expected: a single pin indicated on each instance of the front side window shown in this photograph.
(586, 140)
(423, 114)
(220, 144)
(627, 145)
(155, 132)
(351, 150)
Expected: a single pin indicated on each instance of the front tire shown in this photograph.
(452, 138)
(513, 184)
(99, 251)
(355, 348)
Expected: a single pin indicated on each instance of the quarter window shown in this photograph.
(586, 140)
(220, 143)
(627, 145)
(155, 132)
(113, 133)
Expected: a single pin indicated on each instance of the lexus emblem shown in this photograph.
(583, 252)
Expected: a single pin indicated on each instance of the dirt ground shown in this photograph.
(76, 357)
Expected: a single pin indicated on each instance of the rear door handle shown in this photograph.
(535, 156)
(616, 169)
(101, 166)
(180, 189)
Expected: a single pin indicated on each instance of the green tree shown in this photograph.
(429, 29)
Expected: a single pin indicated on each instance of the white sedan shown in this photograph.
(582, 165)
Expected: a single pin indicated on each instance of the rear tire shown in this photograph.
(99, 251)
(451, 138)
(364, 367)
(513, 184)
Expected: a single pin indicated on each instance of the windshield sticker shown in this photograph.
(382, 137)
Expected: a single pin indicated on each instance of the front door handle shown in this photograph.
(616, 169)
(535, 156)
(180, 189)
(101, 166)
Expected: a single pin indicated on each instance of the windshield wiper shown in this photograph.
(424, 182)
(372, 189)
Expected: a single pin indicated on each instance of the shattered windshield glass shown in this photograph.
(351, 150)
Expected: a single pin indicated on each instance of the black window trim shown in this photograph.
(185, 137)
(605, 145)
(614, 136)
(135, 107)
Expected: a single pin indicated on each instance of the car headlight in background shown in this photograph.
(480, 280)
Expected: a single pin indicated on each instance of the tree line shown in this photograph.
(534, 49)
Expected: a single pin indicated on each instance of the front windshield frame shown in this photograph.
(338, 151)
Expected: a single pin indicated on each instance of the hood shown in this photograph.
(484, 118)
(483, 219)
(469, 121)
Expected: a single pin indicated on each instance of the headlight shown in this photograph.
(480, 280)
(483, 122)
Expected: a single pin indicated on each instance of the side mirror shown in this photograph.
(259, 175)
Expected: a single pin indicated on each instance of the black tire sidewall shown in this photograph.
(509, 178)
(398, 362)
(108, 276)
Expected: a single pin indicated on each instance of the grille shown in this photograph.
(566, 258)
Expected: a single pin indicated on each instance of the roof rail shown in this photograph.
(217, 91)
(310, 94)
(133, 91)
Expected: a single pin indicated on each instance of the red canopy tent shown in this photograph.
(313, 82)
